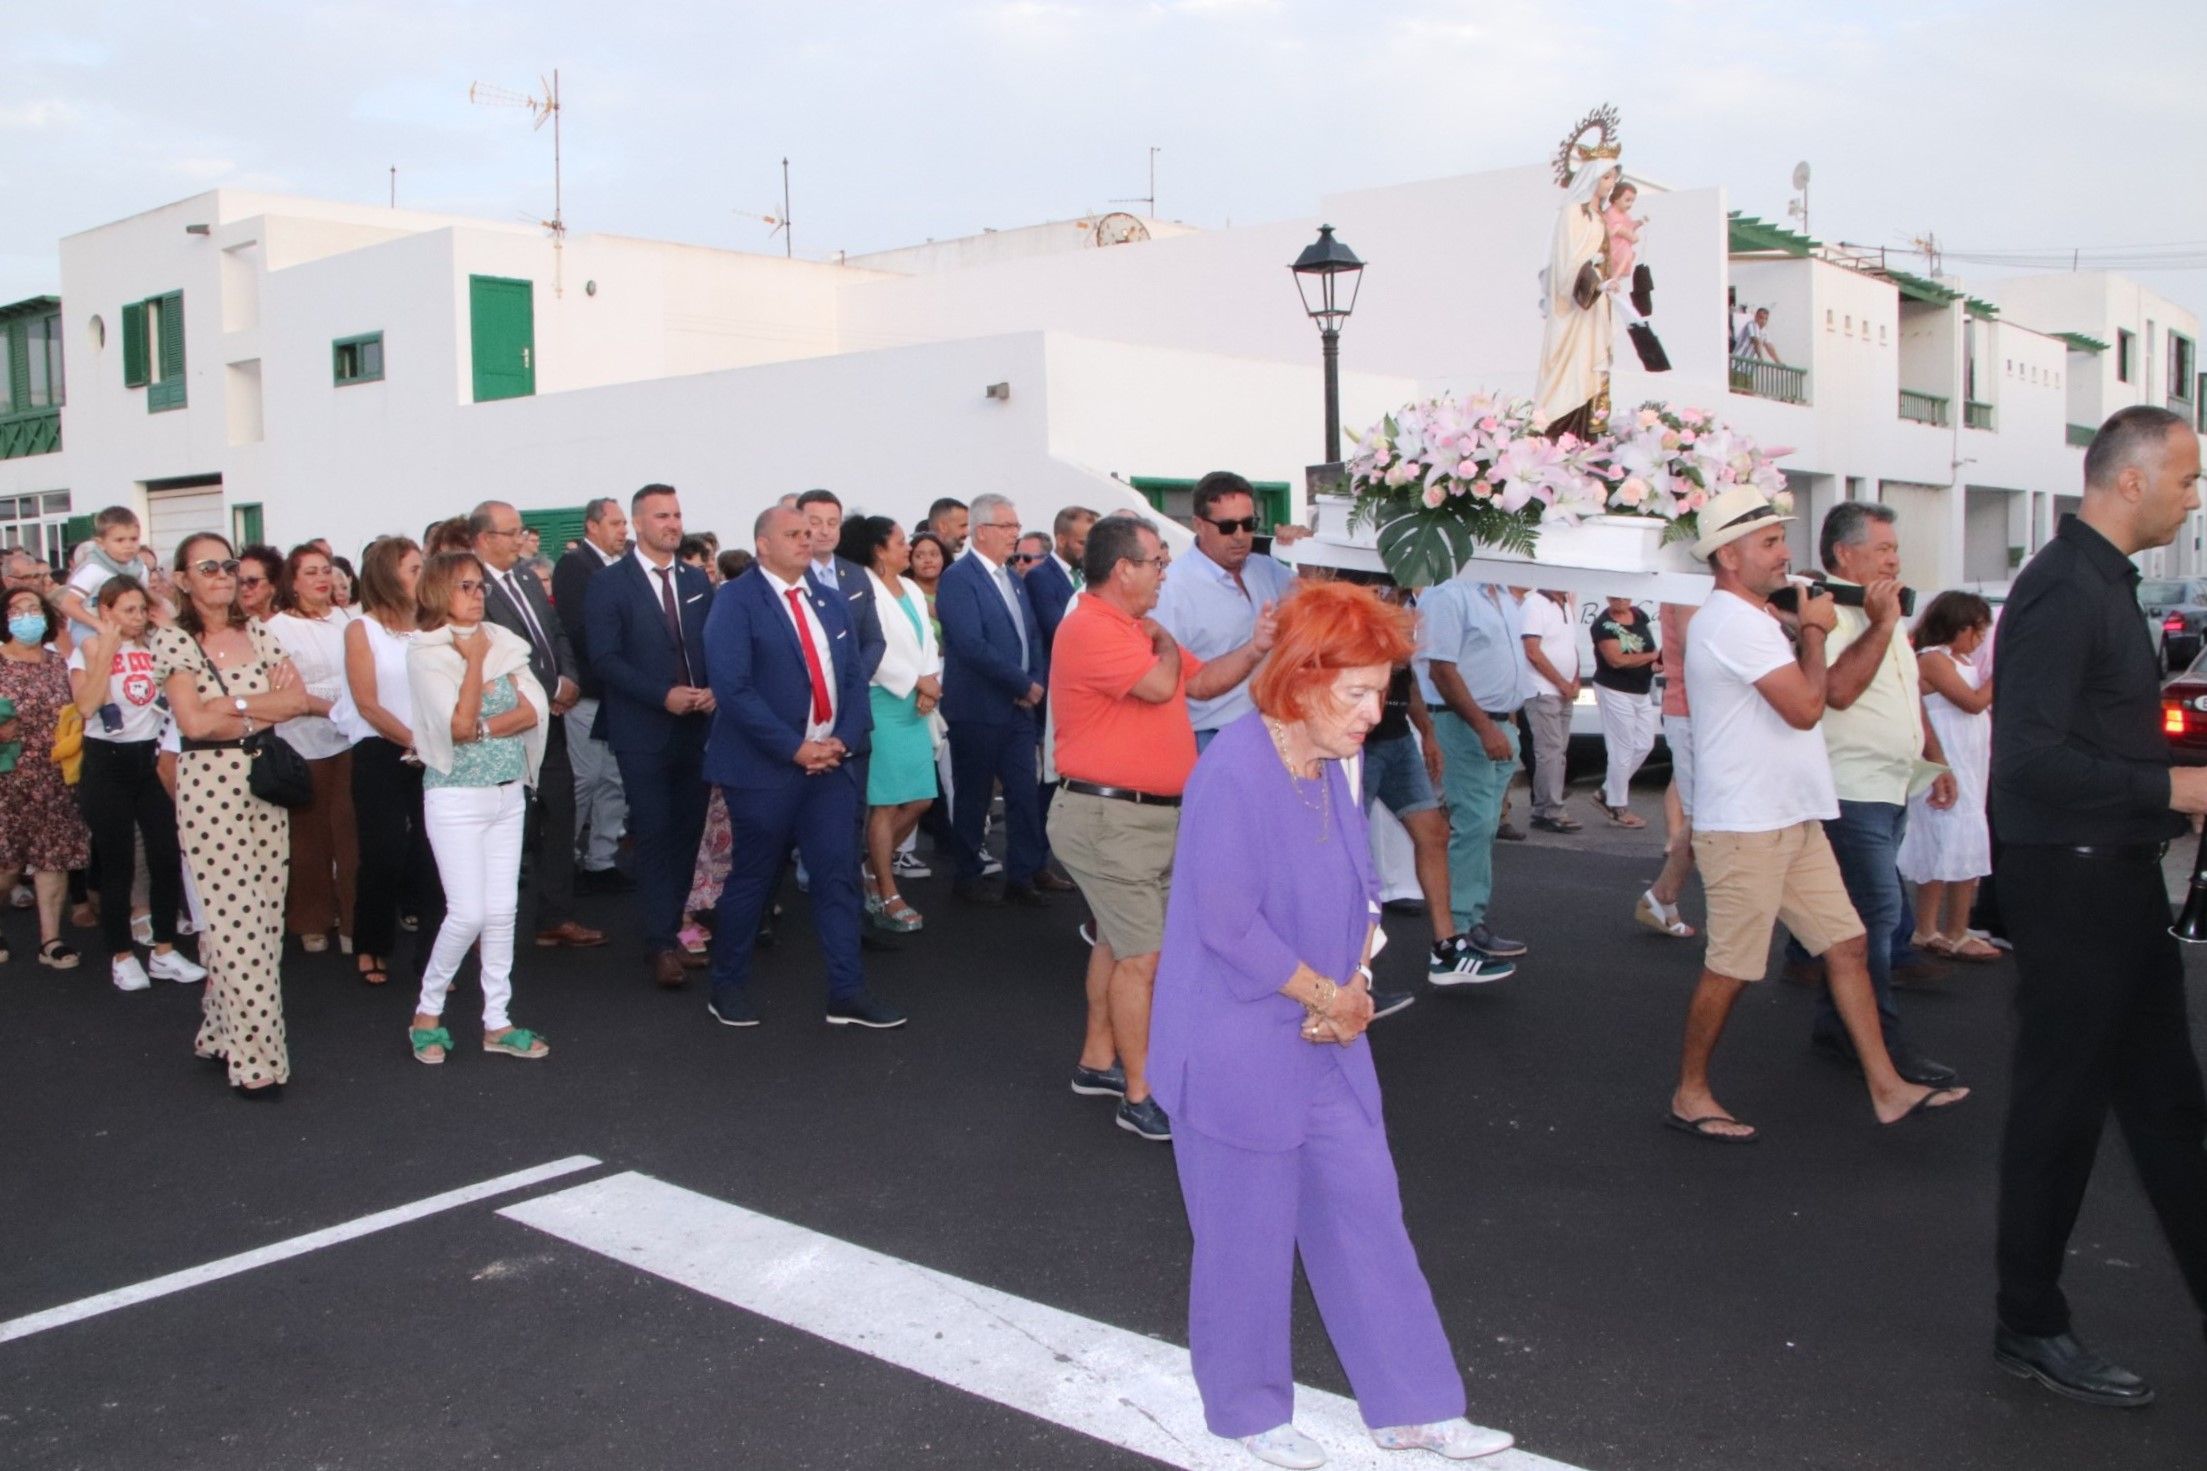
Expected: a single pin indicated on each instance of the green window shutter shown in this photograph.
(134, 344)
(15, 390)
(554, 528)
(167, 389)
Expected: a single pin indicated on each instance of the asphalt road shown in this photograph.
(1618, 1296)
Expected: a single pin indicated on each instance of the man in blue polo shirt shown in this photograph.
(1212, 595)
(1473, 673)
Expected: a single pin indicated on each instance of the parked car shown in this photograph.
(2184, 714)
(2176, 612)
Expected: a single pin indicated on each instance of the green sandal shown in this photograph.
(517, 1042)
(424, 1039)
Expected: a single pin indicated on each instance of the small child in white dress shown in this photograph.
(1946, 851)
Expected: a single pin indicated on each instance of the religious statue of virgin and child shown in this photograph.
(1592, 280)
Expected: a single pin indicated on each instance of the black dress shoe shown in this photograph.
(2068, 1368)
(976, 891)
(870, 938)
(1027, 896)
(1912, 1065)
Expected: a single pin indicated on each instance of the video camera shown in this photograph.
(1787, 599)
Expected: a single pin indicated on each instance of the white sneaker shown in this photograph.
(911, 866)
(1284, 1445)
(171, 965)
(184, 925)
(23, 896)
(990, 867)
(129, 974)
(141, 928)
(1458, 1439)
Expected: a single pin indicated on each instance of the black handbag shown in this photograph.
(274, 772)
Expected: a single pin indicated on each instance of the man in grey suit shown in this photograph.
(601, 810)
(515, 601)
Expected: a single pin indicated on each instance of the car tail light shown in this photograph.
(2172, 718)
(2174, 623)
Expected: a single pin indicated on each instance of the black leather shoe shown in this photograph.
(976, 891)
(1912, 1065)
(870, 938)
(1026, 896)
(2068, 1368)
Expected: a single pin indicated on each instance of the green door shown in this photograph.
(502, 320)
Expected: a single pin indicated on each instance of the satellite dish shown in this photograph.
(1120, 228)
(1801, 174)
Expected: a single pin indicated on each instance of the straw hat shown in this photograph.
(1731, 514)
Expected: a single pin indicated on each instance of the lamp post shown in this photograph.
(1328, 275)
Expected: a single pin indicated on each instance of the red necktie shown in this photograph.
(820, 711)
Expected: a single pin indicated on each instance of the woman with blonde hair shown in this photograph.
(478, 728)
(386, 774)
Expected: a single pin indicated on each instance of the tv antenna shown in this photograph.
(1799, 208)
(544, 108)
(1150, 198)
(1927, 246)
(776, 224)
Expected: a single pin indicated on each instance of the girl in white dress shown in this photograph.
(1946, 851)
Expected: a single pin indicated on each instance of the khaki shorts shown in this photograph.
(1753, 880)
(1120, 853)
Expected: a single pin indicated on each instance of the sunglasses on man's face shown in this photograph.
(210, 567)
(1029, 556)
(1229, 528)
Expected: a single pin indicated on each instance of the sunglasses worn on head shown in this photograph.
(1228, 528)
(209, 567)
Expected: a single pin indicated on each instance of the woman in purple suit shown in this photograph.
(1257, 1052)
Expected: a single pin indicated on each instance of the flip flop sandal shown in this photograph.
(1972, 951)
(1699, 1129)
(1925, 1108)
(1620, 816)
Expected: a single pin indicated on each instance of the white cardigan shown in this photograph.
(909, 656)
(434, 670)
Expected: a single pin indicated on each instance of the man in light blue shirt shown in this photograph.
(1473, 673)
(1214, 595)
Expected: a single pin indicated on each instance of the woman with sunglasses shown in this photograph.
(479, 731)
(41, 832)
(128, 809)
(227, 679)
(260, 579)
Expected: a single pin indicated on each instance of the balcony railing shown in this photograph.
(1764, 379)
(2080, 435)
(1977, 416)
(1923, 408)
(37, 432)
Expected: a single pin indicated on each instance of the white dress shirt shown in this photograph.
(1002, 577)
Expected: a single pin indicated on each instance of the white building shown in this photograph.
(280, 368)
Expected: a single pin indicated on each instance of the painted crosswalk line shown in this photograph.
(1106, 1382)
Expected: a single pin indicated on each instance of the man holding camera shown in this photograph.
(1763, 792)
(1874, 732)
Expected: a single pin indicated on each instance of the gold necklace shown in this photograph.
(1324, 805)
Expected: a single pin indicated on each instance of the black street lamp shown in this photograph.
(1328, 275)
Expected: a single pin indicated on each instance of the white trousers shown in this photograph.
(1628, 730)
(476, 834)
(601, 807)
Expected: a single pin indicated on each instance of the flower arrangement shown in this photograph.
(1441, 478)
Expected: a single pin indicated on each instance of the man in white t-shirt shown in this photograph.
(1762, 792)
(1552, 649)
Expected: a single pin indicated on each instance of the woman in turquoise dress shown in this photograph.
(900, 776)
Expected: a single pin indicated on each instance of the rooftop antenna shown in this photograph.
(1799, 208)
(1150, 198)
(543, 108)
(777, 224)
(1927, 246)
(394, 186)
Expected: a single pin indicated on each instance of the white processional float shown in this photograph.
(1559, 490)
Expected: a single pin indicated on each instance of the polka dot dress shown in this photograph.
(239, 851)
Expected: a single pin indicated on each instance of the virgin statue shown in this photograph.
(1572, 393)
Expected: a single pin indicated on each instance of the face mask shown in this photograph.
(27, 628)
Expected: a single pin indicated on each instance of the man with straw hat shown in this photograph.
(1762, 793)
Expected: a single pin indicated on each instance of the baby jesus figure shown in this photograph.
(1623, 232)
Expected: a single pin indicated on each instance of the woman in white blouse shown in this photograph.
(324, 848)
(900, 774)
(396, 870)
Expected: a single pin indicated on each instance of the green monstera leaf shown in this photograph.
(1424, 547)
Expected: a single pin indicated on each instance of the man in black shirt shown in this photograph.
(2085, 802)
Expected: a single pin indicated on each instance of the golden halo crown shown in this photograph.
(1576, 149)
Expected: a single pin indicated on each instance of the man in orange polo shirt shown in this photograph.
(1119, 690)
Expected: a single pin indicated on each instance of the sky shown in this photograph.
(1998, 127)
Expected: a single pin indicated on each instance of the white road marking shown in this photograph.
(1106, 1382)
(261, 1256)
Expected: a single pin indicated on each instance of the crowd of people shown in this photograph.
(249, 744)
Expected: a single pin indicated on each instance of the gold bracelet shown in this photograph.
(1327, 990)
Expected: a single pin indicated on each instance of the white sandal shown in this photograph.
(1662, 918)
(1284, 1445)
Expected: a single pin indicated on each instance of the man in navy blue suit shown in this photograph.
(646, 619)
(994, 673)
(1052, 581)
(791, 729)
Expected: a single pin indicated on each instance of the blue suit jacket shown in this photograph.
(635, 661)
(1050, 590)
(982, 673)
(865, 618)
(762, 692)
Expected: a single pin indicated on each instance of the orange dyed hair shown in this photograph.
(1326, 627)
